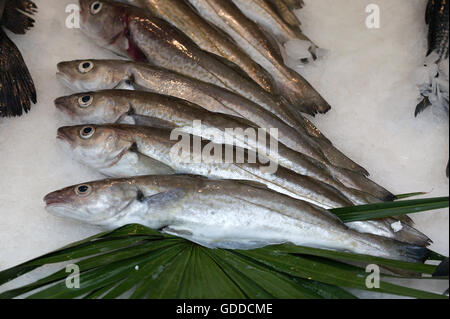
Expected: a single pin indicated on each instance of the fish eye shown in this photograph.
(96, 7)
(85, 66)
(87, 132)
(83, 190)
(85, 101)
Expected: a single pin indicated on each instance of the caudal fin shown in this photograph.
(360, 182)
(393, 249)
(301, 95)
(339, 159)
(412, 253)
(412, 236)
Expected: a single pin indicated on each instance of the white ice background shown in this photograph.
(367, 76)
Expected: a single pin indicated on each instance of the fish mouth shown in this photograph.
(54, 199)
(63, 136)
(64, 79)
(60, 104)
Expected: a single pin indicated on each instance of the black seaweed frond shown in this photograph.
(17, 89)
(15, 16)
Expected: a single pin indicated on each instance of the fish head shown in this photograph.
(98, 147)
(92, 107)
(106, 23)
(101, 202)
(92, 75)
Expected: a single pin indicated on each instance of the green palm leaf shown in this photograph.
(138, 262)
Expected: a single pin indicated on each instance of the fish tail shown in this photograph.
(394, 249)
(311, 105)
(360, 182)
(405, 219)
(412, 253)
(17, 86)
(384, 227)
(337, 158)
(412, 236)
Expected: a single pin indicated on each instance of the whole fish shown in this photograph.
(218, 214)
(17, 90)
(108, 148)
(145, 108)
(252, 39)
(91, 75)
(206, 36)
(132, 32)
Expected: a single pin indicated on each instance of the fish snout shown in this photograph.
(62, 104)
(63, 134)
(63, 74)
(54, 199)
(62, 67)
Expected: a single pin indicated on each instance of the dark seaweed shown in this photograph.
(17, 89)
(437, 18)
(16, 85)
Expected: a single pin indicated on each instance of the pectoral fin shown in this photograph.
(151, 121)
(160, 200)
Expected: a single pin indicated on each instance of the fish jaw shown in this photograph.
(55, 199)
(66, 107)
(60, 204)
(102, 150)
